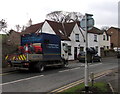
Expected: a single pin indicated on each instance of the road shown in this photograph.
(51, 78)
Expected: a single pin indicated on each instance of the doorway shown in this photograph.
(75, 53)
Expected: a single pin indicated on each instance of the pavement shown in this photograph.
(112, 78)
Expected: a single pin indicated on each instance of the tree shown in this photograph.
(3, 26)
(62, 16)
(17, 27)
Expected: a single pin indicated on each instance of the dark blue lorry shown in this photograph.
(53, 52)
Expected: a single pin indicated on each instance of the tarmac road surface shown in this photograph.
(52, 78)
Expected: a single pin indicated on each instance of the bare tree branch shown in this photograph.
(60, 16)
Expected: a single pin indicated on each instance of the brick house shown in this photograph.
(115, 36)
(13, 38)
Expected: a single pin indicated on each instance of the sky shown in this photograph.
(105, 12)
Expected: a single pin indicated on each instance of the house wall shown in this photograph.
(47, 28)
(73, 42)
(92, 43)
(13, 39)
(104, 43)
(115, 37)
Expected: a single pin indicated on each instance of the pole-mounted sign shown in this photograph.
(90, 22)
(86, 24)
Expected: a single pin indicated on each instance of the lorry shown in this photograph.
(39, 50)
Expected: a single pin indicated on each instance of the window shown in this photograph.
(77, 37)
(95, 38)
(69, 50)
(96, 48)
(107, 47)
(81, 48)
(104, 47)
(103, 37)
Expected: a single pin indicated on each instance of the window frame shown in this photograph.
(77, 38)
(95, 38)
(103, 37)
(69, 50)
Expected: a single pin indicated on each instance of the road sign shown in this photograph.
(90, 23)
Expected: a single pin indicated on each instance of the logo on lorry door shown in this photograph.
(53, 46)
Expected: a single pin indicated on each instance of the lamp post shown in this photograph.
(87, 24)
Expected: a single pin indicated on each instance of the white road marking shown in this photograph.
(21, 80)
(79, 67)
(96, 64)
(75, 68)
(64, 70)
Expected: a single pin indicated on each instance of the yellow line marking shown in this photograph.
(97, 75)
(74, 83)
(6, 73)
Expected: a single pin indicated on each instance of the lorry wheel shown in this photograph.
(40, 67)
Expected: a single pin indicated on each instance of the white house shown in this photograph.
(77, 43)
(104, 40)
(98, 39)
(93, 38)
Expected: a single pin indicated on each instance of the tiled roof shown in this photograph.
(62, 29)
(118, 29)
(95, 30)
(13, 31)
(33, 28)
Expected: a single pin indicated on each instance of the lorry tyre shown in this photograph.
(40, 67)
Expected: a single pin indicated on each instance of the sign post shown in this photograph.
(87, 23)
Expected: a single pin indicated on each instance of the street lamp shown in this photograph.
(87, 23)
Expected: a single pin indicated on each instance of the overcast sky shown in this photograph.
(20, 11)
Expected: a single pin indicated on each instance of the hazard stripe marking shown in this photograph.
(6, 57)
(14, 58)
(24, 57)
(21, 57)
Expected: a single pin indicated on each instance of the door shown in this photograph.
(75, 53)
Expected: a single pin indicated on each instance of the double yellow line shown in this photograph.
(66, 87)
(61, 89)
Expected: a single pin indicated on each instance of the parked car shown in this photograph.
(95, 58)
